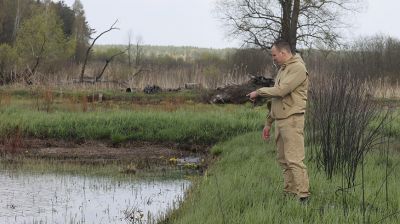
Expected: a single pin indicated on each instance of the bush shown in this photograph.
(340, 134)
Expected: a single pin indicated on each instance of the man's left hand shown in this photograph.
(266, 133)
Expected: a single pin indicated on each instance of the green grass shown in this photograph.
(393, 129)
(198, 124)
(392, 124)
(245, 186)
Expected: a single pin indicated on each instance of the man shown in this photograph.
(288, 105)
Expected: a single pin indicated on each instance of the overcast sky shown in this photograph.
(192, 23)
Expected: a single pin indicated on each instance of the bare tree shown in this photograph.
(29, 72)
(136, 52)
(130, 49)
(91, 46)
(108, 60)
(261, 22)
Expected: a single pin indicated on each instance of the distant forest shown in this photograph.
(45, 42)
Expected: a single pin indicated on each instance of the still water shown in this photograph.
(28, 197)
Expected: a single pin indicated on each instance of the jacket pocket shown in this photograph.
(287, 102)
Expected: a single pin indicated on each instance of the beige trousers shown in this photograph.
(289, 138)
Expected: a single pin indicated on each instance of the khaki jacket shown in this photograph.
(289, 94)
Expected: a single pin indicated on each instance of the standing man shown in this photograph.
(288, 105)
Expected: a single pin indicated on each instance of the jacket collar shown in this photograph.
(295, 58)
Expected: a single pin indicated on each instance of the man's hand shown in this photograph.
(252, 95)
(265, 134)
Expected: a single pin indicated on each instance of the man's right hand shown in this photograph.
(253, 95)
(266, 134)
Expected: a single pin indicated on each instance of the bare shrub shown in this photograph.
(44, 97)
(344, 124)
(84, 102)
(5, 98)
(71, 103)
(13, 142)
(48, 99)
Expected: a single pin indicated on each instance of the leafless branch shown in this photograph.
(108, 60)
(259, 21)
(91, 46)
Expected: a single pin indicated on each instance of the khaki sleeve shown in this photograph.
(269, 120)
(287, 84)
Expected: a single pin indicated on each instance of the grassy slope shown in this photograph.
(244, 186)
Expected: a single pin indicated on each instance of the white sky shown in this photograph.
(191, 22)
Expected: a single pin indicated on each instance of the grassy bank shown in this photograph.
(195, 124)
(245, 186)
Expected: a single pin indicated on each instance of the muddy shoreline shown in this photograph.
(144, 155)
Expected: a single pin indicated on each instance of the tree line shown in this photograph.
(40, 34)
(50, 40)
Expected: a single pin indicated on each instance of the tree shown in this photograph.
(130, 49)
(108, 61)
(304, 22)
(14, 12)
(81, 31)
(136, 51)
(66, 15)
(11, 13)
(8, 57)
(88, 51)
(255, 61)
(41, 39)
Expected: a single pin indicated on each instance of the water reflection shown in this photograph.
(53, 198)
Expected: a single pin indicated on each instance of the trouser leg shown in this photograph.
(289, 186)
(292, 138)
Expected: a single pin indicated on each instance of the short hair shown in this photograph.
(283, 45)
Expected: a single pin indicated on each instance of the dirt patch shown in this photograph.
(95, 151)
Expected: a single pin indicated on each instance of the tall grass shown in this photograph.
(385, 89)
(119, 76)
(182, 125)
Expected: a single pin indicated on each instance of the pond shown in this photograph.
(45, 197)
